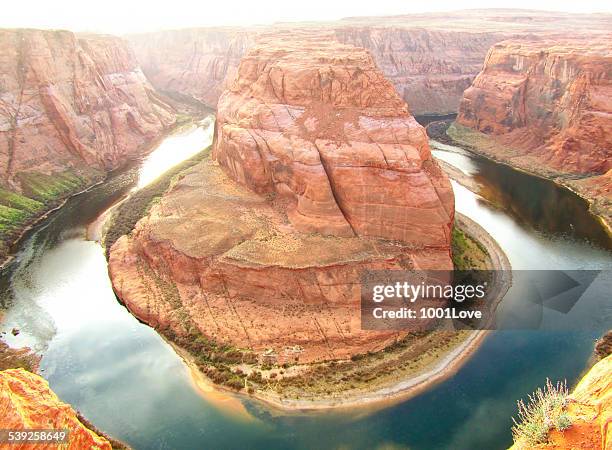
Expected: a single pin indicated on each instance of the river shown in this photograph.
(130, 383)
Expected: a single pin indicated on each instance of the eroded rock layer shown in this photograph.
(430, 58)
(71, 103)
(320, 173)
(430, 69)
(551, 98)
(192, 62)
(317, 123)
(27, 403)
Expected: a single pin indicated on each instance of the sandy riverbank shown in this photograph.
(382, 393)
(449, 364)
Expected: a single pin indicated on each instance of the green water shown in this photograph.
(122, 376)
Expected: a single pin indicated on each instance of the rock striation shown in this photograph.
(430, 68)
(549, 97)
(318, 124)
(548, 104)
(71, 108)
(27, 402)
(69, 102)
(193, 62)
(430, 58)
(318, 173)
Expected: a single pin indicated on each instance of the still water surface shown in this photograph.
(122, 376)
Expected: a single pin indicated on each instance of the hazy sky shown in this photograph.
(124, 16)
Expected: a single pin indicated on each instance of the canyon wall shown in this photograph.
(552, 98)
(319, 172)
(430, 58)
(72, 102)
(192, 62)
(27, 403)
(71, 108)
(430, 69)
(546, 106)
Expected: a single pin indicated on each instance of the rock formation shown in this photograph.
(69, 102)
(549, 97)
(590, 411)
(429, 68)
(430, 58)
(318, 124)
(71, 108)
(27, 402)
(548, 104)
(192, 62)
(320, 173)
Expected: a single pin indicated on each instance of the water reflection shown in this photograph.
(548, 214)
(174, 149)
(132, 384)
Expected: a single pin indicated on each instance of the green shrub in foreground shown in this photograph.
(544, 411)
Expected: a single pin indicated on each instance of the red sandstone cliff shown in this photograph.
(317, 123)
(430, 69)
(321, 173)
(430, 58)
(546, 106)
(193, 62)
(26, 402)
(552, 98)
(71, 103)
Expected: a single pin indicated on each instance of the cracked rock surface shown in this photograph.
(318, 172)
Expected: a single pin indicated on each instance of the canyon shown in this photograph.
(318, 172)
(545, 106)
(27, 403)
(71, 109)
(430, 69)
(430, 58)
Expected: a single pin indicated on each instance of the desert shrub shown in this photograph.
(255, 376)
(543, 412)
(235, 383)
(563, 422)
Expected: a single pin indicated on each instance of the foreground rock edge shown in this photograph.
(27, 402)
(590, 411)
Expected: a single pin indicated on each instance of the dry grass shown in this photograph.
(544, 411)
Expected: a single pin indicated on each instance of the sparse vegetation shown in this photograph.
(39, 193)
(402, 359)
(48, 188)
(468, 253)
(214, 359)
(15, 358)
(603, 347)
(544, 411)
(115, 444)
(139, 203)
